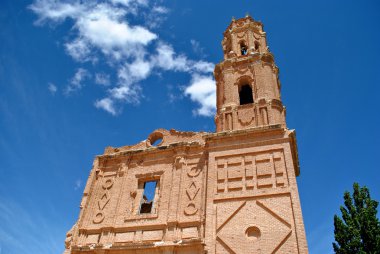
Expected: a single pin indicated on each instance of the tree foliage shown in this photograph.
(358, 231)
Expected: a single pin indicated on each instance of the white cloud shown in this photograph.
(76, 82)
(142, 2)
(123, 2)
(55, 10)
(128, 3)
(205, 67)
(98, 24)
(102, 28)
(102, 33)
(156, 16)
(135, 71)
(126, 93)
(202, 90)
(52, 88)
(167, 60)
(160, 9)
(102, 79)
(79, 50)
(106, 104)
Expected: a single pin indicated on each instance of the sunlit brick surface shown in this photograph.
(233, 191)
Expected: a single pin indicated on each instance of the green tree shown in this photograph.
(358, 231)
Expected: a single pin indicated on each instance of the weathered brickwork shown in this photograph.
(232, 191)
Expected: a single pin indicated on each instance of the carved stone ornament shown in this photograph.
(179, 161)
(246, 115)
(104, 200)
(193, 171)
(191, 209)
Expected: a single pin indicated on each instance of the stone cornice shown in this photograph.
(236, 62)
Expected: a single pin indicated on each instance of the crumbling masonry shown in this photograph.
(232, 191)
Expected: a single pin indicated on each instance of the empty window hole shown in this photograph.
(156, 138)
(245, 95)
(148, 197)
(243, 49)
(156, 141)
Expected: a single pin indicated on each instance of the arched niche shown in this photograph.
(245, 90)
(245, 94)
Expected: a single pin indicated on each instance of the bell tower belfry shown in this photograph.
(248, 89)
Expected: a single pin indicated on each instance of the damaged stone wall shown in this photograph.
(232, 191)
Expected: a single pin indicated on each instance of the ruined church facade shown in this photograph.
(232, 191)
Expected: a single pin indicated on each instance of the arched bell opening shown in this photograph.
(245, 94)
(243, 48)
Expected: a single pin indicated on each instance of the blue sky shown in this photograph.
(76, 78)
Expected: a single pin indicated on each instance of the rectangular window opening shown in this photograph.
(148, 197)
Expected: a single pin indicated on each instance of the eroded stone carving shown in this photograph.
(179, 161)
(190, 209)
(246, 115)
(192, 190)
(104, 199)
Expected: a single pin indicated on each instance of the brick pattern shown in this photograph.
(233, 191)
(247, 172)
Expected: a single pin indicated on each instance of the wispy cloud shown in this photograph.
(102, 79)
(78, 184)
(76, 82)
(103, 31)
(174, 93)
(79, 50)
(197, 49)
(53, 89)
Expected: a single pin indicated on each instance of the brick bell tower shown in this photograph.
(231, 191)
(253, 204)
(248, 88)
